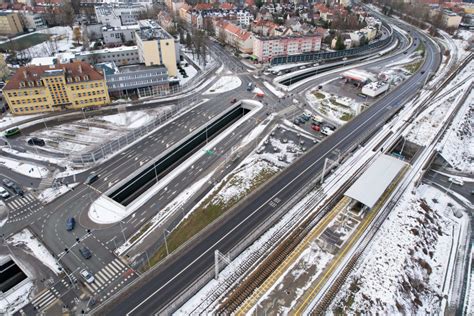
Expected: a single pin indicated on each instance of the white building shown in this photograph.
(119, 34)
(33, 21)
(244, 18)
(374, 89)
(121, 56)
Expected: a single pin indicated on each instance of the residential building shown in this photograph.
(265, 48)
(10, 23)
(235, 36)
(34, 89)
(33, 21)
(138, 80)
(156, 47)
(244, 18)
(451, 19)
(174, 5)
(121, 56)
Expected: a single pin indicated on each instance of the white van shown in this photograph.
(456, 181)
(326, 131)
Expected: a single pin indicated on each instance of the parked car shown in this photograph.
(233, 100)
(4, 193)
(296, 122)
(8, 183)
(316, 127)
(85, 252)
(87, 276)
(70, 223)
(36, 141)
(91, 178)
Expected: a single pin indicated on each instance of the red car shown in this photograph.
(316, 128)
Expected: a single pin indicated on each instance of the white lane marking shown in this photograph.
(367, 120)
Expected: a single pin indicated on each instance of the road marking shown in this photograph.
(100, 278)
(117, 263)
(89, 287)
(111, 266)
(109, 272)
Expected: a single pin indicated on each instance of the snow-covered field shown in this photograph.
(457, 146)
(25, 239)
(60, 41)
(24, 168)
(328, 106)
(8, 119)
(438, 112)
(224, 84)
(404, 269)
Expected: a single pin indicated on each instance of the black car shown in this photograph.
(8, 183)
(85, 252)
(36, 141)
(17, 189)
(70, 223)
(91, 178)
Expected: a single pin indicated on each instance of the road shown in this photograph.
(111, 272)
(185, 267)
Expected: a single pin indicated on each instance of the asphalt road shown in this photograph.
(159, 289)
(49, 224)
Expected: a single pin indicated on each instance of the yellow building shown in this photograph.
(10, 23)
(157, 47)
(36, 89)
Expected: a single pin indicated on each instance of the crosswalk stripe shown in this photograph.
(38, 298)
(111, 266)
(43, 298)
(12, 204)
(101, 276)
(107, 273)
(47, 302)
(89, 287)
(94, 286)
(118, 263)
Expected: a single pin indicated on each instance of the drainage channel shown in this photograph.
(149, 175)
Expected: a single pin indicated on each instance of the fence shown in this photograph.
(125, 140)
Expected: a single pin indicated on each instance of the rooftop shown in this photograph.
(108, 50)
(150, 30)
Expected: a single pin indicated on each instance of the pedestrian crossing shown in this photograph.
(21, 202)
(105, 276)
(46, 299)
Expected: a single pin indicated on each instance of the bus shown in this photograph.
(12, 132)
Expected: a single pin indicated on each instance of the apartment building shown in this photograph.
(235, 36)
(118, 15)
(156, 47)
(10, 23)
(34, 89)
(33, 21)
(119, 35)
(265, 48)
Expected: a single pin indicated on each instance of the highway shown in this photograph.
(184, 267)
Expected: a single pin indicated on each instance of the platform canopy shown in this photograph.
(375, 180)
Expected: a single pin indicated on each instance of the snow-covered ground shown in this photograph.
(24, 168)
(438, 112)
(50, 194)
(411, 251)
(457, 146)
(12, 303)
(274, 90)
(25, 239)
(60, 41)
(328, 106)
(286, 66)
(8, 119)
(224, 84)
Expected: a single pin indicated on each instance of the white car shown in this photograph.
(4, 193)
(87, 276)
(456, 181)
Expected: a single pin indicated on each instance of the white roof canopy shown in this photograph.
(375, 180)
